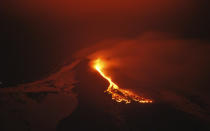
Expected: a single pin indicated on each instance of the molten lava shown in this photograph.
(117, 93)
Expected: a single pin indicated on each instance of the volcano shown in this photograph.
(52, 104)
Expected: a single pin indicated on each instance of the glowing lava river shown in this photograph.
(118, 94)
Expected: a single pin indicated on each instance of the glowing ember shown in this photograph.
(117, 93)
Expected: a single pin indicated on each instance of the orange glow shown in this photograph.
(117, 93)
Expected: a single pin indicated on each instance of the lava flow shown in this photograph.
(118, 94)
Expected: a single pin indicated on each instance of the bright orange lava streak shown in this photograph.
(117, 93)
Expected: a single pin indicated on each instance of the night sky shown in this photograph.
(159, 49)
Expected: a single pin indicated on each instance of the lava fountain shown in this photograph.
(118, 94)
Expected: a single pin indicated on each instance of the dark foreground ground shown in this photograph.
(92, 109)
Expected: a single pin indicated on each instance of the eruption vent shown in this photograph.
(117, 93)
